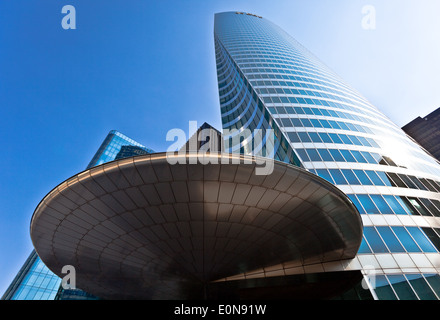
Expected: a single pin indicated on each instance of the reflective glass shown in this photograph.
(406, 240)
(368, 204)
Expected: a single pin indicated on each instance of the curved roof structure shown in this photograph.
(142, 228)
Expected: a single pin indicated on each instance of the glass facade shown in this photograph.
(35, 281)
(268, 80)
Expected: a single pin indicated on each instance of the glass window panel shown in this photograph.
(293, 137)
(434, 281)
(316, 123)
(304, 137)
(325, 137)
(428, 185)
(401, 287)
(355, 140)
(337, 176)
(303, 154)
(390, 239)
(428, 205)
(336, 155)
(325, 155)
(364, 248)
(397, 181)
(421, 287)
(348, 156)
(421, 239)
(419, 206)
(306, 123)
(296, 122)
(407, 181)
(384, 178)
(406, 240)
(323, 173)
(381, 204)
(368, 204)
(368, 157)
(286, 122)
(394, 204)
(433, 237)
(374, 178)
(325, 124)
(358, 156)
(351, 178)
(418, 183)
(363, 178)
(383, 289)
(374, 240)
(345, 139)
(313, 155)
(335, 138)
(315, 137)
(356, 203)
(299, 110)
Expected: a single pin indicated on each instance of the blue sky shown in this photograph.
(145, 67)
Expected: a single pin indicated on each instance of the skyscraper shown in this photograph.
(35, 281)
(267, 79)
(426, 132)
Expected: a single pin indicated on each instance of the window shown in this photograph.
(336, 155)
(347, 155)
(374, 240)
(325, 155)
(368, 204)
(362, 177)
(337, 176)
(406, 240)
(313, 155)
(304, 137)
(394, 204)
(421, 239)
(323, 173)
(381, 204)
(325, 137)
(351, 178)
(390, 239)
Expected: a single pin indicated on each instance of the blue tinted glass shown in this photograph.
(293, 136)
(304, 137)
(355, 140)
(315, 137)
(296, 122)
(316, 123)
(367, 203)
(337, 155)
(390, 239)
(299, 110)
(351, 178)
(358, 156)
(402, 288)
(335, 138)
(347, 155)
(356, 203)
(381, 204)
(384, 178)
(374, 240)
(421, 239)
(374, 178)
(364, 247)
(345, 139)
(325, 137)
(406, 239)
(368, 157)
(323, 173)
(394, 204)
(313, 155)
(325, 124)
(362, 177)
(325, 155)
(303, 154)
(337, 176)
(306, 123)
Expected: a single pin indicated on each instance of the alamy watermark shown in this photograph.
(69, 280)
(369, 17)
(69, 19)
(257, 143)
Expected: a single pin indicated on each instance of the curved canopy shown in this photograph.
(142, 228)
